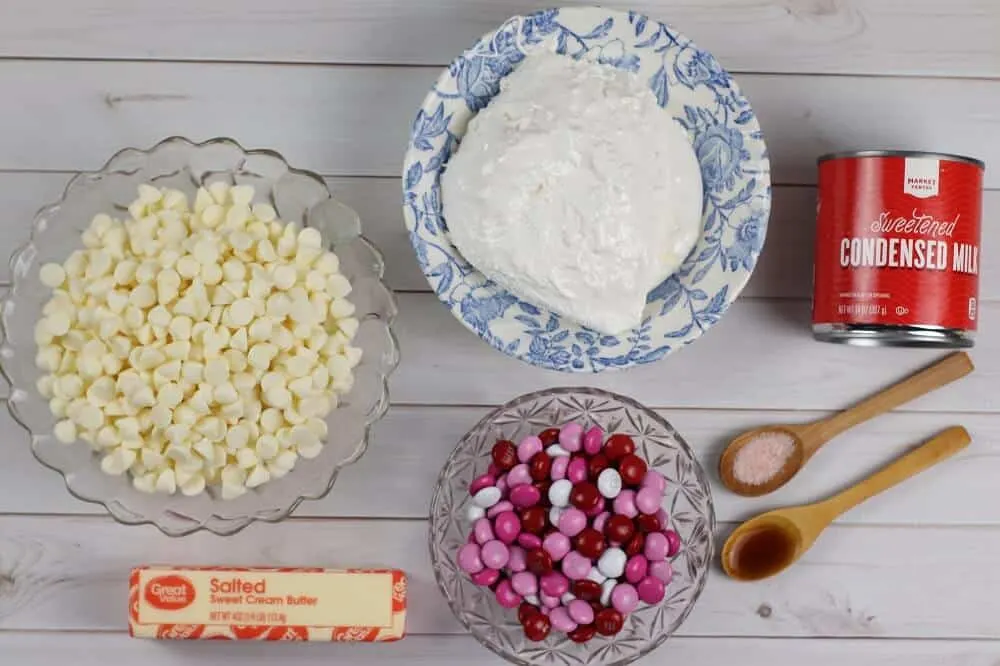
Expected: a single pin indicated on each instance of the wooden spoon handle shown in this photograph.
(952, 367)
(942, 446)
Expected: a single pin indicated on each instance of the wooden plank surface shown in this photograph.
(804, 36)
(879, 581)
(356, 120)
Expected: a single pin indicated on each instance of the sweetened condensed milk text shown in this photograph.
(924, 253)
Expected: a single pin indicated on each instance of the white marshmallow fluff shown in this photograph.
(575, 191)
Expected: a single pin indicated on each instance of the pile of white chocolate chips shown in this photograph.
(196, 347)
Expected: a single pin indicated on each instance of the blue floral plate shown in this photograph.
(690, 85)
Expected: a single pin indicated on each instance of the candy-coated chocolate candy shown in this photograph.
(609, 622)
(585, 496)
(635, 544)
(494, 554)
(506, 596)
(624, 504)
(537, 627)
(648, 523)
(549, 436)
(493, 470)
(554, 584)
(575, 566)
(618, 446)
(524, 582)
(592, 440)
(557, 545)
(529, 541)
(524, 496)
(498, 508)
(597, 606)
(647, 500)
(540, 466)
(571, 437)
(487, 497)
(655, 480)
(607, 587)
(486, 577)
(601, 520)
(480, 482)
(543, 490)
(662, 570)
(533, 520)
(577, 470)
(533, 600)
(651, 590)
(590, 542)
(597, 509)
(504, 455)
(525, 611)
(539, 562)
(633, 469)
(474, 512)
(557, 451)
(572, 521)
(549, 601)
(587, 590)
(656, 547)
(566, 598)
(518, 559)
(502, 486)
(674, 541)
(482, 530)
(612, 562)
(624, 598)
(582, 634)
(559, 492)
(528, 447)
(636, 568)
(663, 517)
(596, 465)
(469, 559)
(596, 576)
(506, 527)
(609, 483)
(558, 471)
(518, 476)
(619, 529)
(561, 621)
(555, 513)
(580, 611)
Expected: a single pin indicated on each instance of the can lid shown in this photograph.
(902, 153)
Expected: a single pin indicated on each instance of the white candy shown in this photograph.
(474, 513)
(556, 450)
(596, 576)
(609, 483)
(555, 513)
(612, 562)
(487, 497)
(567, 597)
(559, 492)
(607, 587)
(532, 599)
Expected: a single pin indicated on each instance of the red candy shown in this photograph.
(585, 496)
(632, 469)
(608, 622)
(549, 436)
(590, 543)
(539, 562)
(647, 522)
(525, 611)
(587, 590)
(619, 446)
(537, 627)
(540, 466)
(504, 455)
(596, 465)
(543, 488)
(619, 529)
(582, 634)
(635, 544)
(533, 520)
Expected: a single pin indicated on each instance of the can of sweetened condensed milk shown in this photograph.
(897, 250)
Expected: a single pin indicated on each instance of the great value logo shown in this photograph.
(171, 592)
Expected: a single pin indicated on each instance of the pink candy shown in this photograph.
(625, 504)
(636, 568)
(575, 566)
(572, 522)
(469, 560)
(528, 447)
(654, 480)
(559, 466)
(656, 547)
(577, 470)
(529, 541)
(561, 620)
(482, 531)
(624, 598)
(600, 520)
(580, 611)
(570, 437)
(494, 554)
(525, 496)
(506, 596)
(662, 570)
(498, 508)
(548, 601)
(520, 475)
(486, 577)
(557, 545)
(648, 500)
(517, 561)
(593, 440)
(554, 584)
(480, 482)
(651, 590)
(524, 583)
(506, 526)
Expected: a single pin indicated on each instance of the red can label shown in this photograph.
(897, 241)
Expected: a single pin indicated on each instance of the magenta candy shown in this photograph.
(501, 485)
(580, 611)
(674, 541)
(518, 476)
(548, 601)
(472, 538)
(528, 447)
(561, 620)
(483, 531)
(651, 590)
(529, 541)
(507, 526)
(648, 500)
(575, 566)
(518, 559)
(525, 496)
(486, 577)
(656, 547)
(572, 522)
(624, 598)
(577, 470)
(559, 465)
(492, 470)
(662, 570)
(524, 583)
(600, 521)
(636, 568)
(494, 554)
(571, 437)
(654, 480)
(593, 439)
(663, 517)
(557, 545)
(625, 504)
(506, 596)
(554, 584)
(468, 558)
(498, 508)
(545, 610)
(480, 482)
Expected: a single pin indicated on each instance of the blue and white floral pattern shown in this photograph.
(690, 85)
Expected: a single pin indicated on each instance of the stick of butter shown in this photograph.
(271, 604)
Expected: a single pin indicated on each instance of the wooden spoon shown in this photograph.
(771, 542)
(809, 437)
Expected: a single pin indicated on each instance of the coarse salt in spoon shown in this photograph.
(762, 460)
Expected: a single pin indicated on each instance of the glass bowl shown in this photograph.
(298, 196)
(688, 502)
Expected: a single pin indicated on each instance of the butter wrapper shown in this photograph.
(268, 604)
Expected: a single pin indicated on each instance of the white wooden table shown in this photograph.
(910, 578)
